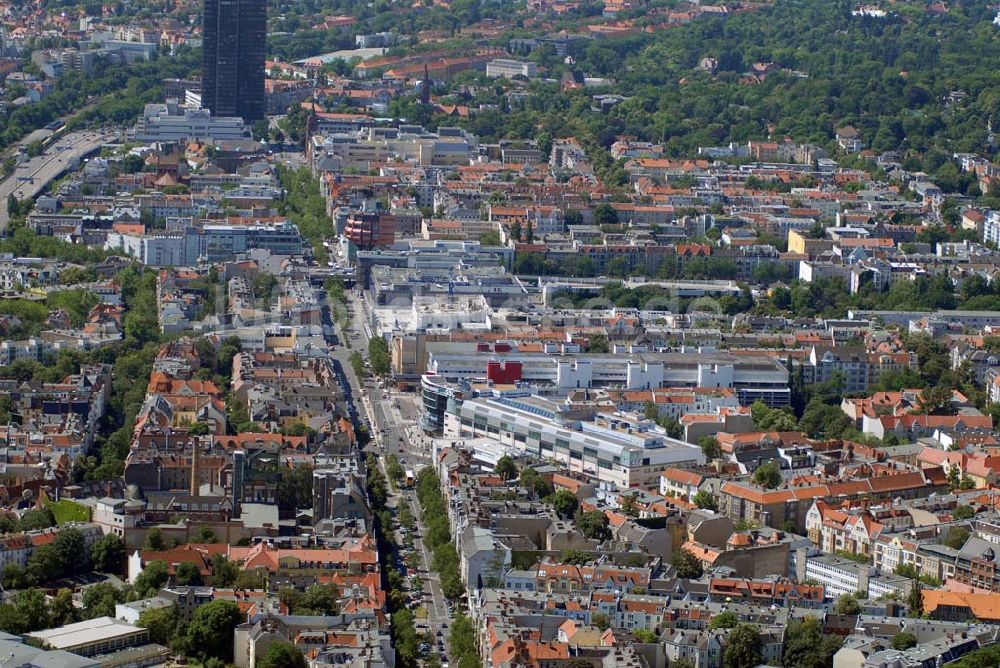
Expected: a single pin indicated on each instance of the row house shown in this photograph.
(558, 577)
(834, 530)
(630, 611)
(774, 508)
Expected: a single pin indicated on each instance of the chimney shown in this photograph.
(194, 468)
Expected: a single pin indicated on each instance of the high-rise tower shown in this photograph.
(232, 66)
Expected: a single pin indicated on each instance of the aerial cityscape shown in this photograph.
(499, 334)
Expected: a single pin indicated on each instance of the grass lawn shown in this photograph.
(68, 511)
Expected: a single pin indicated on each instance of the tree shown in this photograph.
(956, 537)
(935, 400)
(152, 578)
(319, 599)
(199, 429)
(594, 524)
(743, 647)
(463, 641)
(618, 266)
(771, 419)
(530, 480)
(505, 468)
(962, 512)
(628, 505)
(378, 353)
(295, 488)
(726, 619)
(154, 540)
(582, 265)
(230, 348)
(710, 447)
(686, 565)
(99, 600)
(71, 551)
(282, 655)
(847, 604)
(210, 633)
(605, 214)
(767, 475)
(187, 573)
(643, 636)
(806, 646)
(224, 572)
(491, 238)
(15, 577)
(705, 500)
(38, 518)
(30, 606)
(515, 231)
(61, 608)
(204, 534)
(44, 564)
(598, 344)
(600, 620)
(108, 553)
(904, 640)
(823, 420)
(573, 557)
(161, 622)
(915, 600)
(405, 635)
(564, 502)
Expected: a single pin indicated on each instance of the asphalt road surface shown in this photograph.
(32, 176)
(394, 424)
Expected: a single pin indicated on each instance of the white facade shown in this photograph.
(991, 226)
(507, 69)
(620, 451)
(169, 123)
(838, 575)
(111, 516)
(765, 379)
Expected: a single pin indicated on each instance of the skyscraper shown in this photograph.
(232, 66)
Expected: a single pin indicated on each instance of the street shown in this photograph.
(33, 176)
(393, 421)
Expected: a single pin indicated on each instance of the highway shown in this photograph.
(32, 176)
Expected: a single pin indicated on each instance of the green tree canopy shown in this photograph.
(282, 655)
(594, 524)
(506, 468)
(210, 633)
(767, 475)
(564, 502)
(686, 565)
(743, 647)
(847, 604)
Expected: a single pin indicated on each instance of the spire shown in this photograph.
(425, 87)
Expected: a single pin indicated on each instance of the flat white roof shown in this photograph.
(84, 633)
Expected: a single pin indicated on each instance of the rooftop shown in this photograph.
(85, 633)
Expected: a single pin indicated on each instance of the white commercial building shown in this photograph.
(838, 575)
(752, 378)
(619, 450)
(170, 123)
(505, 68)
